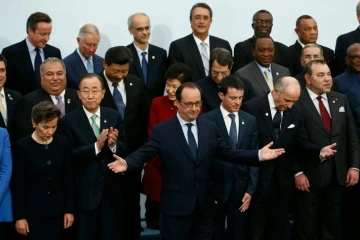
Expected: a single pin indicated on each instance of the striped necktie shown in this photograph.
(205, 57)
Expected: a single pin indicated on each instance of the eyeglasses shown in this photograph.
(198, 17)
(221, 74)
(191, 104)
(93, 92)
(141, 29)
(354, 57)
(266, 22)
(311, 57)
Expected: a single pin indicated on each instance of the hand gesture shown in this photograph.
(68, 220)
(22, 227)
(112, 137)
(246, 202)
(328, 151)
(352, 177)
(268, 154)
(102, 139)
(119, 165)
(302, 183)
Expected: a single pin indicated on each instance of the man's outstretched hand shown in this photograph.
(268, 154)
(119, 165)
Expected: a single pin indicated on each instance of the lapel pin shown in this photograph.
(68, 101)
(153, 57)
(130, 84)
(266, 114)
(242, 122)
(105, 121)
(277, 73)
(10, 97)
(333, 101)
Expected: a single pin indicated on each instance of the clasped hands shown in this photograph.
(108, 136)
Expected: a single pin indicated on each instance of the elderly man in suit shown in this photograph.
(53, 88)
(279, 122)
(321, 182)
(149, 61)
(307, 31)
(234, 185)
(343, 42)
(262, 72)
(24, 58)
(194, 49)
(83, 59)
(187, 147)
(126, 94)
(262, 23)
(96, 133)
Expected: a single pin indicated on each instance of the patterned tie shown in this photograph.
(89, 65)
(60, 105)
(118, 100)
(144, 67)
(37, 64)
(2, 109)
(232, 133)
(205, 57)
(277, 123)
(268, 79)
(191, 140)
(324, 114)
(94, 126)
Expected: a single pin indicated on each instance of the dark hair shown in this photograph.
(260, 11)
(118, 55)
(186, 85)
(307, 68)
(91, 75)
(222, 56)
(180, 72)
(3, 59)
(298, 21)
(230, 82)
(262, 37)
(201, 5)
(45, 111)
(35, 18)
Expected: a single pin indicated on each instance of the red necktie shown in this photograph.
(324, 114)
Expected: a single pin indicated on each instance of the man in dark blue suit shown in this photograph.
(234, 184)
(187, 147)
(84, 60)
(24, 58)
(149, 61)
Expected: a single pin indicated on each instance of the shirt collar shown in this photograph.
(2, 92)
(263, 69)
(139, 51)
(271, 101)
(89, 114)
(182, 121)
(62, 94)
(110, 83)
(302, 45)
(198, 40)
(31, 47)
(225, 113)
(81, 56)
(314, 95)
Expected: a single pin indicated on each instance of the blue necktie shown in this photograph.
(191, 140)
(276, 122)
(118, 100)
(232, 133)
(144, 67)
(37, 64)
(89, 65)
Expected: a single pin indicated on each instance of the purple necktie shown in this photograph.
(37, 64)
(60, 105)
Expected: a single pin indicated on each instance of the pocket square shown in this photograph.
(291, 126)
(341, 109)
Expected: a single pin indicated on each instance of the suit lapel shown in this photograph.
(129, 88)
(274, 73)
(334, 109)
(285, 123)
(10, 105)
(242, 124)
(83, 123)
(108, 99)
(221, 124)
(69, 101)
(266, 114)
(152, 60)
(136, 60)
(194, 51)
(26, 59)
(259, 77)
(104, 122)
(78, 65)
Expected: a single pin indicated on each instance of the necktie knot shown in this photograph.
(37, 50)
(58, 97)
(144, 54)
(319, 98)
(232, 116)
(115, 85)
(203, 44)
(189, 125)
(93, 118)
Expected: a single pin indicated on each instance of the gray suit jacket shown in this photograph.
(252, 73)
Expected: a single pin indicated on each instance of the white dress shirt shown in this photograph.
(32, 52)
(83, 59)
(121, 88)
(139, 52)
(62, 94)
(273, 107)
(263, 69)
(227, 120)
(198, 44)
(324, 99)
(185, 128)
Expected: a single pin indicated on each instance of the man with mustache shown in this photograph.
(24, 58)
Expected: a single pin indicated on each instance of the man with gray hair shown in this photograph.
(83, 59)
(277, 121)
(149, 61)
(53, 88)
(343, 42)
(309, 52)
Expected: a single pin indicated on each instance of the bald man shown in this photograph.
(278, 122)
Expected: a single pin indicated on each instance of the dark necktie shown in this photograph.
(191, 140)
(118, 100)
(324, 114)
(37, 64)
(277, 122)
(144, 67)
(232, 133)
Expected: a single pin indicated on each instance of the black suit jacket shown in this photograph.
(23, 112)
(136, 110)
(344, 134)
(157, 58)
(296, 54)
(20, 71)
(243, 54)
(12, 99)
(226, 174)
(93, 179)
(185, 50)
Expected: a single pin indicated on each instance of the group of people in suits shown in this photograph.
(111, 117)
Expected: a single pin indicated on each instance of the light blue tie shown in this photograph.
(205, 57)
(89, 65)
(118, 100)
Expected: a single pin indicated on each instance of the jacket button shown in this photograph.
(48, 192)
(48, 162)
(49, 177)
